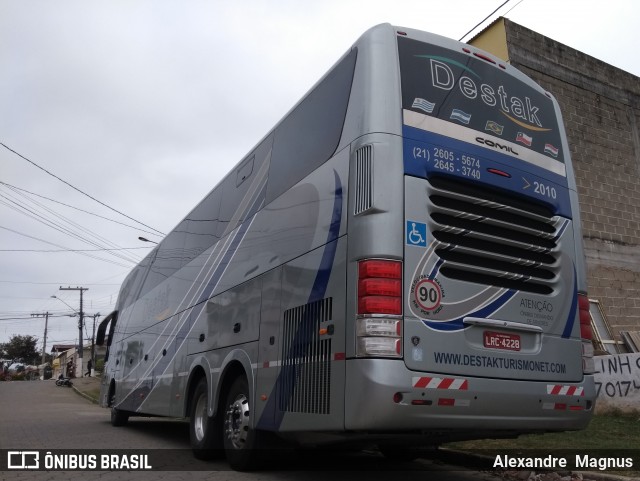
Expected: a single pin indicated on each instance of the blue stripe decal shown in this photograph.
(271, 417)
(138, 395)
(217, 274)
(485, 312)
(574, 306)
(561, 230)
(329, 254)
(436, 268)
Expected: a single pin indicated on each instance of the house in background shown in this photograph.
(65, 357)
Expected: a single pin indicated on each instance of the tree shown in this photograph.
(21, 348)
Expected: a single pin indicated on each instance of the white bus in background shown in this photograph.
(398, 262)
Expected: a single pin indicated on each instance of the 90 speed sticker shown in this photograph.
(426, 295)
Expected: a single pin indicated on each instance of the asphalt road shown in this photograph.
(39, 415)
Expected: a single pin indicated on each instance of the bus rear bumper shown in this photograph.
(385, 395)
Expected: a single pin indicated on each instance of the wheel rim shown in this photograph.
(200, 417)
(237, 422)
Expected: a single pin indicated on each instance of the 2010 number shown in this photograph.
(545, 190)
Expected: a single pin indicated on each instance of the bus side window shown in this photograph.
(135, 284)
(244, 171)
(310, 135)
(235, 187)
(202, 226)
(169, 257)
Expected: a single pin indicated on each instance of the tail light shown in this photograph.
(380, 287)
(379, 323)
(585, 317)
(588, 364)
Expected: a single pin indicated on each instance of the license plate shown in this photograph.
(500, 340)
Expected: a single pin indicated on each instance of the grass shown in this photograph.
(605, 431)
(93, 393)
(613, 431)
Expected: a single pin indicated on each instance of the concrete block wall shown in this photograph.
(601, 110)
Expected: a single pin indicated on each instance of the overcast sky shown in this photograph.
(145, 105)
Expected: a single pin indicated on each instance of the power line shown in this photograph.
(78, 190)
(63, 247)
(62, 224)
(483, 20)
(507, 12)
(59, 222)
(13, 187)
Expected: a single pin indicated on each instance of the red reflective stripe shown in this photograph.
(339, 356)
(446, 402)
(422, 382)
(445, 383)
(451, 383)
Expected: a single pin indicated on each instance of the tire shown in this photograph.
(400, 454)
(119, 418)
(241, 443)
(205, 432)
(58, 382)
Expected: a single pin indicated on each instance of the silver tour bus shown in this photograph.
(398, 261)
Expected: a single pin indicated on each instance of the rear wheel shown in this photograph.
(204, 431)
(241, 443)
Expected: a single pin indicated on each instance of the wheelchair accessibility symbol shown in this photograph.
(416, 234)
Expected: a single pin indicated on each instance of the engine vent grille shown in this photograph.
(490, 238)
(306, 359)
(364, 180)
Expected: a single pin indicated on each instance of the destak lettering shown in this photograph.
(443, 77)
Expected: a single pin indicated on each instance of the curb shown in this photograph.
(605, 477)
(84, 395)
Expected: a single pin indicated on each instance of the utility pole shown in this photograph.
(93, 341)
(79, 367)
(44, 343)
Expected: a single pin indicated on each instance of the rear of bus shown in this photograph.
(481, 326)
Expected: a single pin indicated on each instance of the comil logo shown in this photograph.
(23, 460)
(496, 145)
